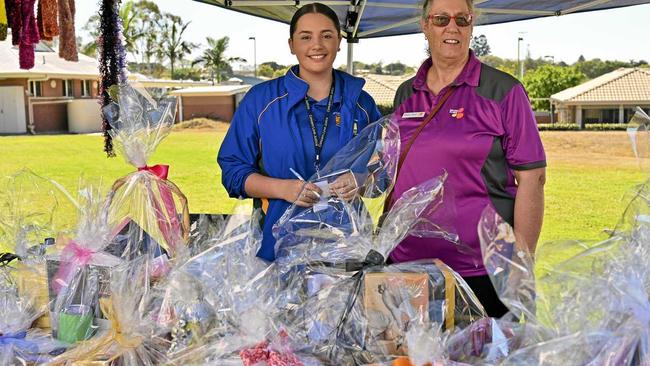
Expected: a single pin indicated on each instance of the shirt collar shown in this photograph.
(298, 87)
(470, 74)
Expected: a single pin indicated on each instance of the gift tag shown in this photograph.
(324, 196)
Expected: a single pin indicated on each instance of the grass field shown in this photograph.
(588, 174)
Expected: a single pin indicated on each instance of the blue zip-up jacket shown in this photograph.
(270, 133)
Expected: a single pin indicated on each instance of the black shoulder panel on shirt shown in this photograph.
(495, 177)
(404, 92)
(495, 84)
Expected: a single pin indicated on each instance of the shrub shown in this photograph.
(558, 127)
(575, 127)
(385, 109)
(606, 127)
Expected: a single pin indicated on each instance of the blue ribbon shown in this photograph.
(18, 341)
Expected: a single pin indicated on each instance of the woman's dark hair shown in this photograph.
(317, 8)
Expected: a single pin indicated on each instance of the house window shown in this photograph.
(629, 113)
(600, 115)
(85, 88)
(35, 88)
(67, 88)
(609, 116)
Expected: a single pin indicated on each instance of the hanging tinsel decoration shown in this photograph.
(111, 59)
(67, 37)
(14, 19)
(4, 23)
(47, 17)
(29, 36)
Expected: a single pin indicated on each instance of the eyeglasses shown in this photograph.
(442, 20)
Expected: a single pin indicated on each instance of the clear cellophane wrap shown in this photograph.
(79, 274)
(144, 205)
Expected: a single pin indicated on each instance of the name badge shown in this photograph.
(413, 115)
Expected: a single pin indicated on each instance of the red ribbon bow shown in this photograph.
(159, 170)
(170, 224)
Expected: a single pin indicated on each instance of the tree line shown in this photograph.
(543, 77)
(154, 39)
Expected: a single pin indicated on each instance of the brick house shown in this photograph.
(40, 100)
(609, 98)
(216, 102)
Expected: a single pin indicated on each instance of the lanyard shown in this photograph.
(318, 142)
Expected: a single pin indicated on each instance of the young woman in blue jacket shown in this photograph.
(295, 122)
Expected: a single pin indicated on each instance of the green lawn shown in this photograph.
(582, 199)
(64, 158)
(581, 202)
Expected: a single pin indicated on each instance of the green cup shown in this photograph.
(75, 323)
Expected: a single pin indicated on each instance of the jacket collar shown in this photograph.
(470, 74)
(346, 87)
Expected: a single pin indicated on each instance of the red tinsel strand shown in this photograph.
(47, 16)
(39, 21)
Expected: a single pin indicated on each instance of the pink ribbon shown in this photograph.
(170, 228)
(83, 255)
(72, 257)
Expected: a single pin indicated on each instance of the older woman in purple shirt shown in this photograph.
(484, 135)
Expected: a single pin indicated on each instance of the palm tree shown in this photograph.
(133, 17)
(148, 21)
(173, 46)
(148, 25)
(130, 16)
(92, 27)
(214, 57)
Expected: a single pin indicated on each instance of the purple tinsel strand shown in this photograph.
(26, 55)
(111, 59)
(29, 31)
(121, 51)
(28, 35)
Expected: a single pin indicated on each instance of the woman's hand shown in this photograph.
(345, 187)
(303, 194)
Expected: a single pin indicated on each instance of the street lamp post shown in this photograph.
(254, 54)
(520, 65)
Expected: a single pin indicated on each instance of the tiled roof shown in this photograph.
(623, 85)
(147, 82)
(212, 90)
(382, 88)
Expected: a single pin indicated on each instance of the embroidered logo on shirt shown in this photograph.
(457, 113)
(337, 119)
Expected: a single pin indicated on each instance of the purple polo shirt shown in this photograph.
(484, 131)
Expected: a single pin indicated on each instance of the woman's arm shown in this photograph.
(240, 147)
(303, 194)
(529, 207)
(525, 156)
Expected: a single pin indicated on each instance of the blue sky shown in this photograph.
(617, 34)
